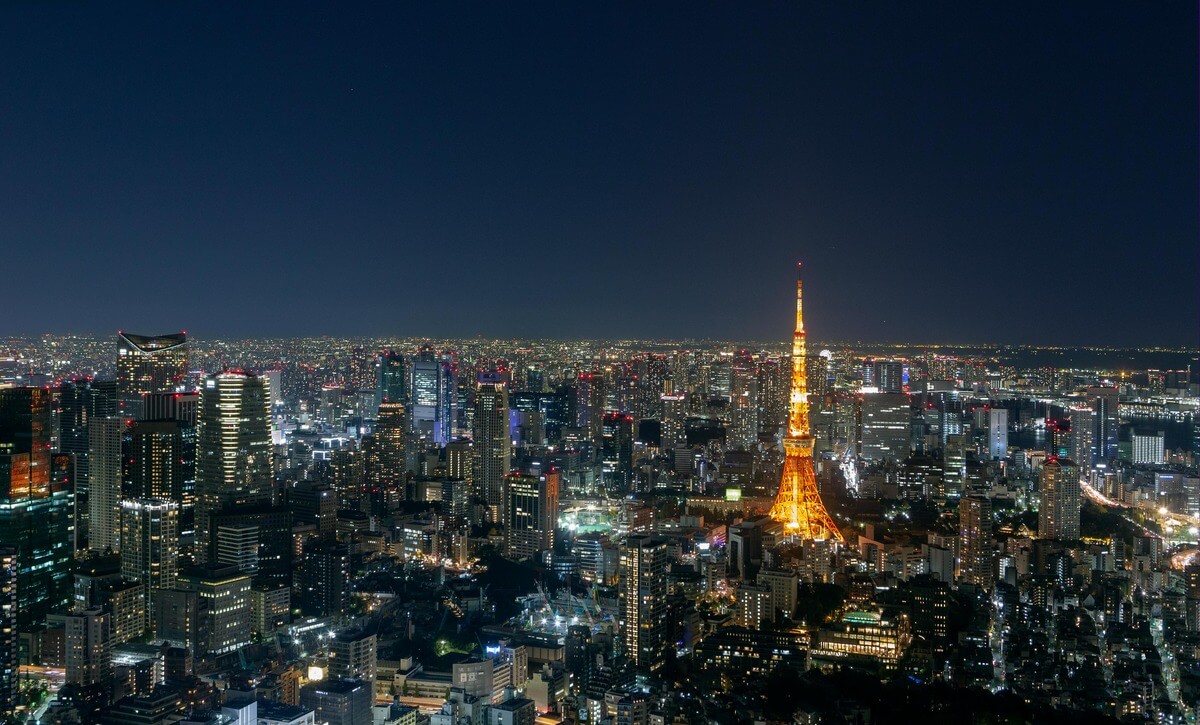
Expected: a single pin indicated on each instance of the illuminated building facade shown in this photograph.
(9, 649)
(391, 444)
(1058, 510)
(674, 407)
(749, 652)
(148, 364)
(886, 426)
(105, 476)
(150, 544)
(87, 636)
(391, 377)
(743, 402)
(862, 639)
(233, 465)
(224, 594)
(81, 401)
(433, 393)
(643, 601)
(530, 513)
(798, 505)
(975, 554)
(156, 460)
(616, 452)
(35, 517)
(493, 442)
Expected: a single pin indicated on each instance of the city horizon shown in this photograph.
(451, 381)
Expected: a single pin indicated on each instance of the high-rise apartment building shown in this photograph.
(81, 401)
(150, 544)
(155, 467)
(1083, 436)
(184, 410)
(589, 404)
(87, 641)
(643, 601)
(148, 364)
(323, 578)
(1058, 511)
(975, 553)
(743, 402)
(493, 441)
(674, 421)
(106, 464)
(233, 450)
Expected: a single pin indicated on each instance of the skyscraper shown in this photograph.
(105, 477)
(432, 395)
(391, 441)
(150, 545)
(997, 434)
(81, 401)
(674, 421)
(616, 452)
(493, 442)
(35, 518)
(156, 460)
(391, 377)
(184, 410)
(530, 513)
(589, 404)
(886, 426)
(975, 541)
(148, 364)
(889, 376)
(798, 505)
(233, 450)
(323, 578)
(643, 601)
(1058, 512)
(743, 402)
(1104, 401)
(9, 645)
(1083, 436)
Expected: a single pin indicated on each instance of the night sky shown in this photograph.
(1013, 173)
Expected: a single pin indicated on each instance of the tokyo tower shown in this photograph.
(798, 506)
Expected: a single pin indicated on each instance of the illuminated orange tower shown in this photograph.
(798, 506)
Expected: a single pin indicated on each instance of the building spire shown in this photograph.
(798, 400)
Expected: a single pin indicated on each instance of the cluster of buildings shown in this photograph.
(487, 532)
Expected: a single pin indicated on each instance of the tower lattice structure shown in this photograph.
(798, 505)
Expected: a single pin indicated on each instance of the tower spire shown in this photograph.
(798, 504)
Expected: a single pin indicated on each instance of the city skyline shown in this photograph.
(948, 175)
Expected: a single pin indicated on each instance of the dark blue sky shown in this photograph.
(948, 173)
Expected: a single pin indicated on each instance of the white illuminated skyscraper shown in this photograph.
(233, 451)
